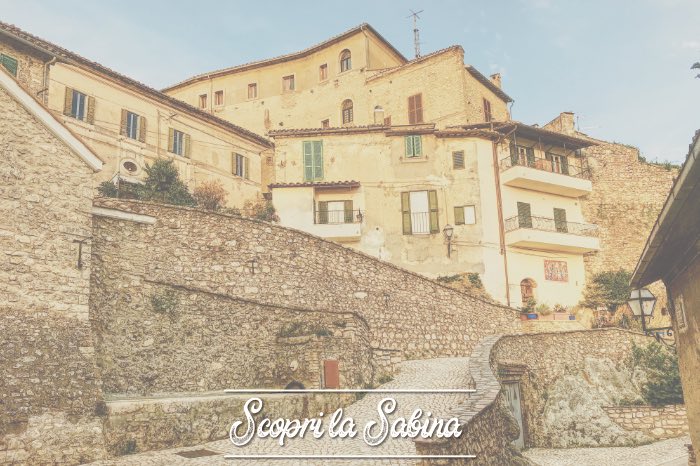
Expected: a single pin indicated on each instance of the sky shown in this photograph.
(623, 66)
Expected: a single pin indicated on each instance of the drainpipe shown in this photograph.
(501, 229)
(45, 82)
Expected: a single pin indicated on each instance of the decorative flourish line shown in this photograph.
(349, 457)
(346, 390)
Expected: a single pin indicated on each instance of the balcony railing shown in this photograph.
(550, 224)
(553, 165)
(337, 217)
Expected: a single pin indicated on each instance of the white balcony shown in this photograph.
(547, 235)
(543, 175)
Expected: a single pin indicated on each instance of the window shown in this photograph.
(203, 101)
(419, 211)
(560, 224)
(487, 110)
(313, 160)
(253, 91)
(77, 105)
(335, 212)
(458, 160)
(521, 155)
(465, 215)
(557, 163)
(415, 109)
(347, 111)
(326, 124)
(323, 72)
(288, 83)
(345, 61)
(524, 215)
(133, 126)
(414, 146)
(241, 166)
(9, 63)
(178, 142)
(679, 313)
(219, 98)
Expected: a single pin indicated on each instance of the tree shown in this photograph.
(163, 184)
(261, 210)
(610, 289)
(663, 384)
(696, 66)
(210, 195)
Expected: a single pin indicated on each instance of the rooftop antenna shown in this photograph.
(416, 33)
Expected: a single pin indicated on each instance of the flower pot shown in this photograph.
(532, 316)
(572, 317)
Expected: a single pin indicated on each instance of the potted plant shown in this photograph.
(560, 312)
(527, 312)
(544, 312)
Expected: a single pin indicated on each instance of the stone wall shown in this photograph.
(658, 422)
(569, 377)
(49, 388)
(275, 266)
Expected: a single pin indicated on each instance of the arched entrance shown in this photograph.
(527, 290)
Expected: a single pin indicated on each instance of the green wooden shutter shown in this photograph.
(433, 203)
(409, 146)
(171, 140)
(459, 215)
(318, 160)
(68, 102)
(187, 142)
(406, 212)
(348, 212)
(560, 220)
(308, 161)
(417, 146)
(513, 154)
(9, 63)
(246, 168)
(530, 153)
(323, 212)
(524, 215)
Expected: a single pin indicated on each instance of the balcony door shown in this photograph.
(524, 215)
(420, 211)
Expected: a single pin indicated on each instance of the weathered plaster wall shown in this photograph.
(49, 388)
(658, 422)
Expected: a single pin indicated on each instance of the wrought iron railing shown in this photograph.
(550, 224)
(420, 223)
(336, 217)
(564, 166)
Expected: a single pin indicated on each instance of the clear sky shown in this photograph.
(623, 66)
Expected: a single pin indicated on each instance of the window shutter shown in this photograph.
(246, 168)
(171, 140)
(530, 153)
(318, 160)
(91, 110)
(142, 129)
(9, 63)
(459, 215)
(348, 212)
(524, 215)
(417, 146)
(68, 102)
(233, 163)
(513, 154)
(565, 165)
(418, 102)
(458, 159)
(469, 215)
(409, 146)
(406, 212)
(187, 142)
(308, 162)
(560, 220)
(411, 110)
(322, 212)
(122, 125)
(331, 374)
(432, 202)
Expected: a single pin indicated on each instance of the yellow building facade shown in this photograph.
(130, 125)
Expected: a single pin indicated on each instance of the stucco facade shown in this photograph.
(130, 125)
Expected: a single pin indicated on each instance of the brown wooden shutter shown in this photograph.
(171, 140)
(122, 125)
(91, 110)
(348, 212)
(187, 142)
(68, 102)
(331, 374)
(433, 203)
(142, 129)
(246, 168)
(418, 102)
(487, 110)
(411, 110)
(406, 212)
(459, 215)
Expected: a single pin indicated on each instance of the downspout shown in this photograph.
(501, 229)
(45, 82)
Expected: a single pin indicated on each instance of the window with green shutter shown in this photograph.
(414, 146)
(524, 215)
(560, 220)
(419, 212)
(9, 63)
(432, 201)
(313, 160)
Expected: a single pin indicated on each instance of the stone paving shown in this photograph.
(421, 374)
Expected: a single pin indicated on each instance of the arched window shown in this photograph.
(347, 111)
(527, 290)
(345, 61)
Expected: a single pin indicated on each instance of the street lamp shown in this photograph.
(642, 303)
(448, 231)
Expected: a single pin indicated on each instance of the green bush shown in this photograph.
(163, 184)
(108, 189)
(610, 289)
(475, 279)
(663, 384)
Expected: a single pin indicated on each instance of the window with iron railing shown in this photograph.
(554, 163)
(337, 212)
(557, 225)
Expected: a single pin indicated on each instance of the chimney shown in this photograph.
(567, 122)
(496, 79)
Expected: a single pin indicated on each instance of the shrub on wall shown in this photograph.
(261, 210)
(210, 195)
(663, 384)
(610, 289)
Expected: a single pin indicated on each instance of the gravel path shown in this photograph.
(423, 374)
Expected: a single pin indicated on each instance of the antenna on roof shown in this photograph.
(416, 33)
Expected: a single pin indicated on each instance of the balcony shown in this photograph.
(337, 225)
(551, 235)
(550, 175)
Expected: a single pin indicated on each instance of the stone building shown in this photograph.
(671, 255)
(129, 124)
(509, 192)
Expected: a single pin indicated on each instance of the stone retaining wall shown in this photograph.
(659, 422)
